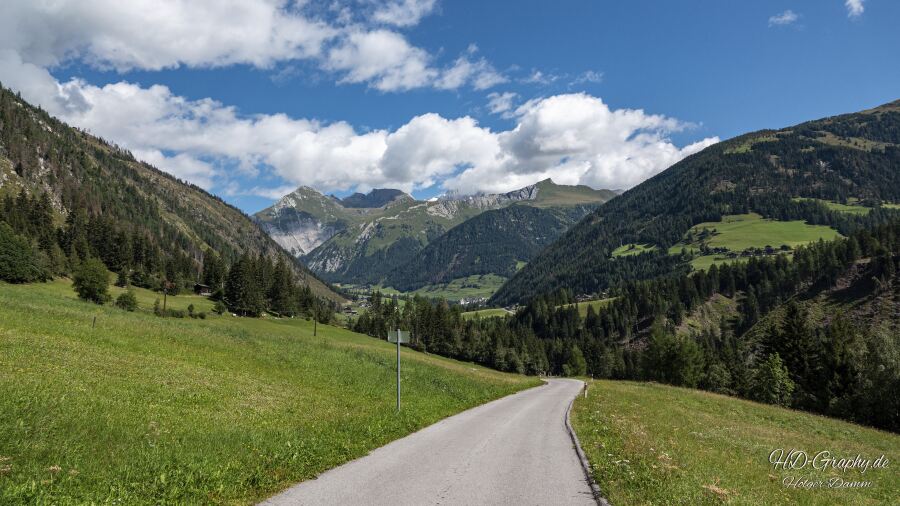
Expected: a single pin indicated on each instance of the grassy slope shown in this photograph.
(472, 286)
(224, 410)
(841, 208)
(485, 313)
(654, 444)
(632, 249)
(708, 315)
(741, 231)
(596, 304)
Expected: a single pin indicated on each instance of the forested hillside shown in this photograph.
(817, 331)
(494, 242)
(834, 159)
(68, 196)
(764, 267)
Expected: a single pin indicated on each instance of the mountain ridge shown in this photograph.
(850, 156)
(365, 245)
(102, 191)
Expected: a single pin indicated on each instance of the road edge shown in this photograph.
(268, 500)
(585, 465)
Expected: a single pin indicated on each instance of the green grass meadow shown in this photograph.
(850, 208)
(741, 231)
(149, 410)
(485, 313)
(738, 232)
(632, 249)
(473, 286)
(596, 304)
(654, 444)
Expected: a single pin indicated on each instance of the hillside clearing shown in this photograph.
(738, 232)
(655, 444)
(632, 249)
(596, 304)
(148, 410)
(849, 208)
(485, 313)
(462, 288)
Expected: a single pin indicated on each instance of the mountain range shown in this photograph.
(387, 237)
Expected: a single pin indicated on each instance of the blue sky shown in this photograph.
(484, 96)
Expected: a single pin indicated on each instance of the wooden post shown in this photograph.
(94, 323)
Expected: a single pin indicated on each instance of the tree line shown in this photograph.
(87, 248)
(766, 349)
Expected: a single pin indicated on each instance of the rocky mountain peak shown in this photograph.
(378, 197)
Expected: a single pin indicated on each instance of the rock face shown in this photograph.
(362, 238)
(299, 232)
(302, 220)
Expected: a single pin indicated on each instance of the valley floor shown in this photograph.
(147, 410)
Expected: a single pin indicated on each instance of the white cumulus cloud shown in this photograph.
(578, 139)
(403, 12)
(383, 58)
(163, 34)
(855, 8)
(573, 138)
(501, 103)
(157, 34)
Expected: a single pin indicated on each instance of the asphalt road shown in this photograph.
(514, 450)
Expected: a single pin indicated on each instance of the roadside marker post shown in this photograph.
(398, 336)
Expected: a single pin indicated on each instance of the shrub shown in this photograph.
(170, 313)
(772, 382)
(92, 281)
(127, 301)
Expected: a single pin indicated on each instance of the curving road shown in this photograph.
(514, 450)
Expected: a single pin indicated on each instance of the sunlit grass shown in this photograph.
(485, 313)
(654, 444)
(596, 304)
(632, 249)
(149, 410)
